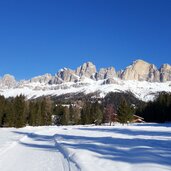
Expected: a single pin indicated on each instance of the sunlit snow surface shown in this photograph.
(141, 89)
(87, 148)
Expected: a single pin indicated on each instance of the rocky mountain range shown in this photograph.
(139, 70)
(87, 74)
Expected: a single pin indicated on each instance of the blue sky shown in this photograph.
(40, 36)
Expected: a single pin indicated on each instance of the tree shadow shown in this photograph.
(122, 149)
(39, 142)
(154, 124)
(128, 131)
(133, 151)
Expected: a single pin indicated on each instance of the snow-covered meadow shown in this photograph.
(87, 148)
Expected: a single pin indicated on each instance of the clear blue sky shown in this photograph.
(40, 36)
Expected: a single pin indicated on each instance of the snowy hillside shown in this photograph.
(87, 148)
(144, 80)
(141, 89)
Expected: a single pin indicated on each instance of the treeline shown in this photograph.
(18, 112)
(93, 113)
(158, 110)
(115, 107)
(89, 113)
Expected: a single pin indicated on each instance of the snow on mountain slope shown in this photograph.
(141, 89)
(141, 78)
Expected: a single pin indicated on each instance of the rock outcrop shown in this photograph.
(87, 69)
(56, 80)
(165, 73)
(67, 75)
(106, 73)
(141, 71)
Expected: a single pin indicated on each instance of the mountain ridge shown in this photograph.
(141, 78)
(88, 69)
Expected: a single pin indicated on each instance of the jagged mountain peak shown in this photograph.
(139, 63)
(142, 71)
(87, 70)
(139, 70)
(86, 79)
(88, 63)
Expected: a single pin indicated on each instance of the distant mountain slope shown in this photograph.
(141, 78)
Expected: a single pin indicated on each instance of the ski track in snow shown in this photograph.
(34, 151)
(86, 148)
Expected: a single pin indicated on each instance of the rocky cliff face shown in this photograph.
(87, 69)
(165, 73)
(106, 73)
(67, 75)
(141, 71)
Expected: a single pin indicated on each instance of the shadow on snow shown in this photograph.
(39, 141)
(127, 150)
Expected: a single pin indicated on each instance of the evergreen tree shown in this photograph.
(65, 116)
(88, 114)
(2, 106)
(158, 110)
(125, 112)
(34, 117)
(71, 114)
(9, 117)
(31, 120)
(19, 110)
(46, 111)
(97, 113)
(83, 117)
(76, 115)
(38, 114)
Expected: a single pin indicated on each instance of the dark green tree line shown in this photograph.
(157, 111)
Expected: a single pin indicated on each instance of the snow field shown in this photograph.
(86, 148)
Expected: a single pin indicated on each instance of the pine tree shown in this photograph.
(19, 110)
(9, 114)
(31, 120)
(65, 116)
(38, 114)
(125, 112)
(2, 106)
(71, 114)
(76, 115)
(97, 113)
(83, 117)
(88, 114)
(46, 111)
